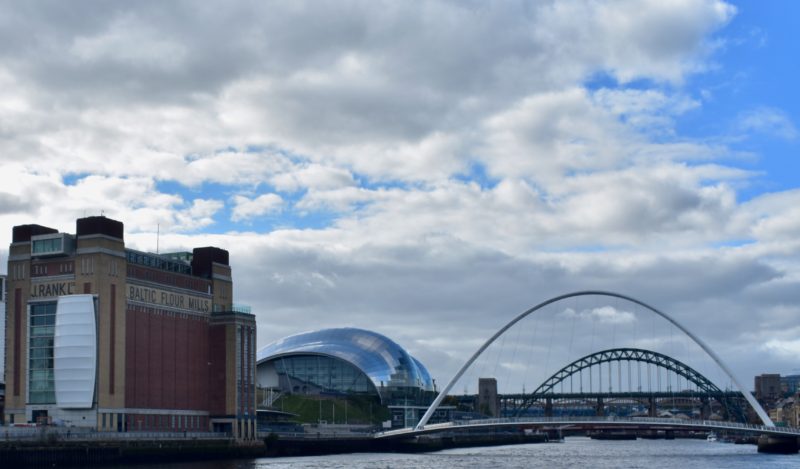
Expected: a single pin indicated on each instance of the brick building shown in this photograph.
(103, 336)
(768, 387)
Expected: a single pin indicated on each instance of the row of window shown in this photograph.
(39, 270)
(158, 262)
(40, 366)
(46, 246)
(165, 422)
(169, 278)
(43, 320)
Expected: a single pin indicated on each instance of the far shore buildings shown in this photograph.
(768, 387)
(99, 335)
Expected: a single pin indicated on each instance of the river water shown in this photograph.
(573, 452)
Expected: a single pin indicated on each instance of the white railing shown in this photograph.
(614, 421)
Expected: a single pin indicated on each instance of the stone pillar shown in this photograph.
(600, 409)
(488, 400)
(705, 408)
(775, 444)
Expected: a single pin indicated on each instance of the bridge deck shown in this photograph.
(616, 395)
(639, 422)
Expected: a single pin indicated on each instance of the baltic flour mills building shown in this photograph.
(102, 336)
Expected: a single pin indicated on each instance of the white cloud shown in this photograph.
(467, 168)
(547, 135)
(787, 348)
(635, 39)
(245, 209)
(768, 121)
(771, 217)
(605, 314)
(313, 176)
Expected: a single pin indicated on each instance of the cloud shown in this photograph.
(547, 137)
(787, 348)
(605, 314)
(769, 121)
(771, 217)
(129, 41)
(313, 176)
(463, 158)
(391, 91)
(635, 39)
(245, 208)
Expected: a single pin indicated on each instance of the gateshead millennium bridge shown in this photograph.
(731, 402)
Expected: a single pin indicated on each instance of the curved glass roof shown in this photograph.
(384, 361)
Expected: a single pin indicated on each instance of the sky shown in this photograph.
(429, 170)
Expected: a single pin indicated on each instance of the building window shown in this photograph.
(19, 272)
(41, 389)
(51, 245)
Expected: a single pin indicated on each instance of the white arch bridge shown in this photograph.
(767, 427)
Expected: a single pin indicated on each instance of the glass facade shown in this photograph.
(47, 245)
(348, 360)
(41, 388)
(307, 373)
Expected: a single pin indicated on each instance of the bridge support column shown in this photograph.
(548, 407)
(651, 407)
(600, 410)
(705, 408)
(777, 444)
(726, 413)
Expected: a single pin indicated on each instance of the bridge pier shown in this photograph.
(548, 407)
(600, 409)
(705, 408)
(775, 444)
(651, 407)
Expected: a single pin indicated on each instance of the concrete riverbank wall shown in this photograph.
(44, 453)
(89, 453)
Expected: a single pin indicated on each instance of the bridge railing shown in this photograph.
(632, 420)
(650, 421)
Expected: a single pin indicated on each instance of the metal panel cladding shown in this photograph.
(75, 352)
(385, 362)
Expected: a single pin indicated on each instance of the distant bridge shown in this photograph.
(547, 393)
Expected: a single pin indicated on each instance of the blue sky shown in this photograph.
(754, 72)
(427, 169)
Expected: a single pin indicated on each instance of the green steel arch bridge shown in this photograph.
(553, 388)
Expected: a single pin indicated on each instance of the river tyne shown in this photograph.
(574, 452)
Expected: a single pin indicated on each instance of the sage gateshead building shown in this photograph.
(102, 336)
(345, 362)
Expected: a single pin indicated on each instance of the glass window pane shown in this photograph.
(42, 330)
(42, 342)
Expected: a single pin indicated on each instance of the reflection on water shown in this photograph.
(574, 452)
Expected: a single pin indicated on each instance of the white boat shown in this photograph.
(711, 437)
